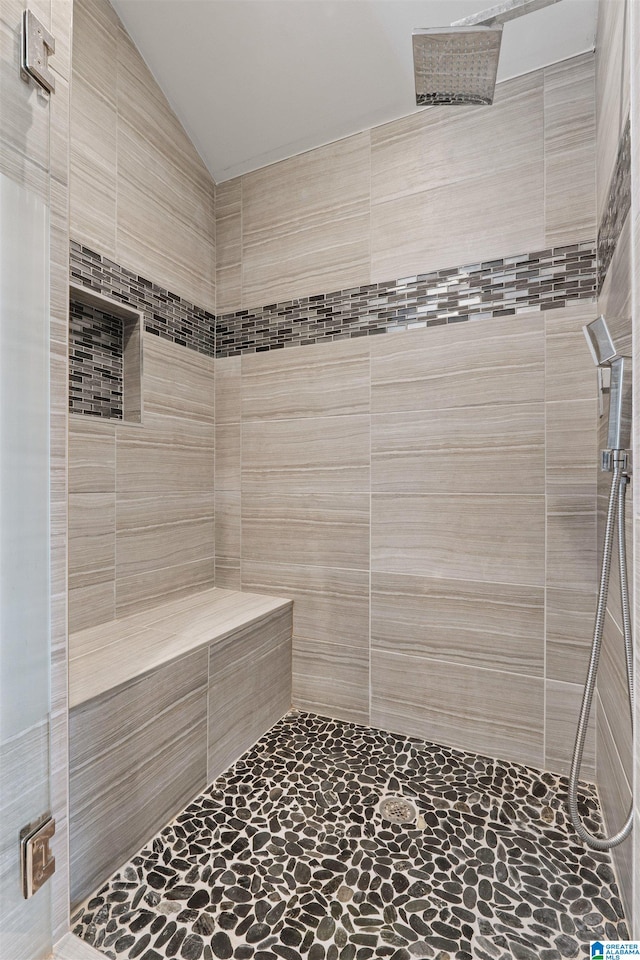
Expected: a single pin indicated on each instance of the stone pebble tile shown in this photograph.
(287, 855)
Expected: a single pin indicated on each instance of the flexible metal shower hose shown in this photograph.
(615, 513)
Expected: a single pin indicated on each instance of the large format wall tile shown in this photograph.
(491, 625)
(569, 150)
(249, 688)
(562, 706)
(476, 164)
(228, 245)
(329, 603)
(140, 193)
(321, 530)
(322, 381)
(305, 223)
(331, 678)
(569, 628)
(482, 449)
(616, 797)
(124, 744)
(496, 361)
(492, 539)
(448, 703)
(324, 454)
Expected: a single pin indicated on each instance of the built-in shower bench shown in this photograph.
(161, 702)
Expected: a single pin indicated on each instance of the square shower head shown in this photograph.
(456, 65)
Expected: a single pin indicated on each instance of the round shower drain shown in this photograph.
(397, 810)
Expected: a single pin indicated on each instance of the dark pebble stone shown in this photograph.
(290, 936)
(286, 952)
(316, 952)
(605, 873)
(340, 937)
(469, 897)
(141, 921)
(227, 920)
(243, 926)
(124, 942)
(199, 900)
(364, 939)
(470, 876)
(348, 952)
(238, 894)
(275, 913)
(243, 952)
(156, 880)
(158, 923)
(176, 941)
(400, 882)
(179, 892)
(221, 945)
(139, 946)
(256, 932)
(485, 891)
(192, 947)
(326, 928)
(302, 873)
(520, 952)
(567, 946)
(204, 925)
(166, 934)
(605, 909)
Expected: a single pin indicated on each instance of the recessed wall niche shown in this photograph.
(105, 357)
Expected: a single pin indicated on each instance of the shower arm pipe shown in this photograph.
(503, 12)
(615, 512)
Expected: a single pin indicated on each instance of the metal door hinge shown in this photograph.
(37, 45)
(37, 861)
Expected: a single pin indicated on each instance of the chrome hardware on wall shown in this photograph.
(36, 860)
(37, 45)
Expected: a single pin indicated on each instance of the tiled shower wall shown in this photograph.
(141, 204)
(401, 489)
(614, 739)
(427, 497)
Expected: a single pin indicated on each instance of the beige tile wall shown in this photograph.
(433, 190)
(399, 490)
(614, 747)
(139, 192)
(141, 496)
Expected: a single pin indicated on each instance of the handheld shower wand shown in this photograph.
(615, 459)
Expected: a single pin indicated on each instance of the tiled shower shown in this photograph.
(364, 386)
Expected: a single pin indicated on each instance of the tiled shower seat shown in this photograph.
(162, 702)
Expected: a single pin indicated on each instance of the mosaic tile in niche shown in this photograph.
(95, 362)
(287, 856)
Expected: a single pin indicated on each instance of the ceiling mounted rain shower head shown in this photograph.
(456, 65)
(459, 64)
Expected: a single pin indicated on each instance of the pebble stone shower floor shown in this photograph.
(287, 856)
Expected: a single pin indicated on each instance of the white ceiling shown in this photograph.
(256, 81)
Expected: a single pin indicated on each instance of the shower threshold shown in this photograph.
(289, 855)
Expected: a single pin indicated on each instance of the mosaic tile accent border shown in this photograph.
(95, 362)
(289, 855)
(546, 279)
(166, 314)
(618, 206)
